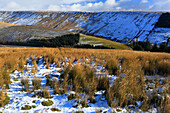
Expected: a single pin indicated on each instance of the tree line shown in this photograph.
(59, 41)
(147, 46)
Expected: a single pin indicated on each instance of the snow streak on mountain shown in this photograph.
(118, 26)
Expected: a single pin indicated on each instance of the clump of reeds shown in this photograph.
(128, 88)
(4, 99)
(36, 82)
(25, 84)
(112, 65)
(55, 87)
(78, 78)
(46, 93)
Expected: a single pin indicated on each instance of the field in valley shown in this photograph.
(83, 80)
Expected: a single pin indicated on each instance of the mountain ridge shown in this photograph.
(122, 26)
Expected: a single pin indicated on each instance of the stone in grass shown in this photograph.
(47, 103)
(55, 109)
(26, 107)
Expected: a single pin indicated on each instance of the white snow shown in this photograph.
(123, 26)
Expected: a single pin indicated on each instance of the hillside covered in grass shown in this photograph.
(95, 41)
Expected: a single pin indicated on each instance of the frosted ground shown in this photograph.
(19, 98)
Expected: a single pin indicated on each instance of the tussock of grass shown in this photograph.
(25, 84)
(36, 82)
(129, 88)
(112, 65)
(46, 93)
(4, 99)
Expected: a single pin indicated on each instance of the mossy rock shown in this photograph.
(78, 112)
(47, 103)
(55, 109)
(33, 101)
(34, 106)
(26, 107)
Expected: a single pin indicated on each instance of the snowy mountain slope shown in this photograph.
(159, 35)
(118, 26)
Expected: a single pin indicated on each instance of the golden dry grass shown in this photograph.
(134, 63)
(10, 57)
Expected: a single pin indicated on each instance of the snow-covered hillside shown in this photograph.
(122, 26)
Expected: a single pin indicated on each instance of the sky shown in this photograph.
(84, 5)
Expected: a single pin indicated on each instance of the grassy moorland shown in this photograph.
(135, 72)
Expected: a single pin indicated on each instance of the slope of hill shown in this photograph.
(3, 25)
(24, 33)
(95, 41)
(36, 36)
(118, 26)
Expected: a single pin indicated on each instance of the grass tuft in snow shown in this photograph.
(25, 84)
(36, 82)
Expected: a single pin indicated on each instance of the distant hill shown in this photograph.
(25, 33)
(15, 34)
(122, 26)
(36, 36)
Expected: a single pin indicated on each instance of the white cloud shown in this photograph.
(161, 5)
(12, 6)
(110, 2)
(84, 5)
(144, 1)
(53, 7)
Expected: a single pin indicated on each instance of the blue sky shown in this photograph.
(85, 5)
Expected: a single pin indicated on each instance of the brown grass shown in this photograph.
(10, 57)
(82, 79)
(36, 82)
